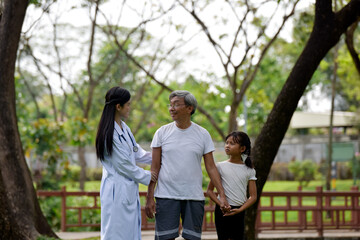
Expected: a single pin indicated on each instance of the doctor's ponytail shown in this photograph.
(104, 136)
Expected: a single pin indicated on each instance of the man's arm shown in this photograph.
(211, 194)
(215, 179)
(155, 167)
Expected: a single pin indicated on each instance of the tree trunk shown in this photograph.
(20, 213)
(328, 27)
(82, 162)
(233, 115)
(331, 127)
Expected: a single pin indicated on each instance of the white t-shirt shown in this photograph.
(180, 174)
(235, 178)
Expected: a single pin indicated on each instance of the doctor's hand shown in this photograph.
(150, 209)
(154, 176)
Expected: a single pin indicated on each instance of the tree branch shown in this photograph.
(59, 63)
(92, 82)
(248, 81)
(32, 93)
(36, 61)
(149, 74)
(349, 40)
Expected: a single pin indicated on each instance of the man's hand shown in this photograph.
(224, 205)
(150, 209)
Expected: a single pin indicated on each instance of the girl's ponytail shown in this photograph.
(247, 160)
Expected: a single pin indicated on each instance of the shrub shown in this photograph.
(74, 174)
(43, 140)
(354, 166)
(51, 208)
(304, 171)
(280, 172)
(94, 174)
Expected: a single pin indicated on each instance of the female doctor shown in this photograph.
(118, 152)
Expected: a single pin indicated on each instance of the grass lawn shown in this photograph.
(341, 185)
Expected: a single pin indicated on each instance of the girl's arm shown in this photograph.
(211, 194)
(251, 200)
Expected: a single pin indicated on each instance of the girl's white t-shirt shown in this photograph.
(235, 178)
(182, 150)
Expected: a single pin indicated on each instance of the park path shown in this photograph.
(149, 235)
(146, 235)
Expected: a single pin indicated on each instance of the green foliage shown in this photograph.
(90, 216)
(25, 105)
(355, 166)
(74, 172)
(349, 77)
(304, 22)
(263, 92)
(43, 141)
(80, 131)
(303, 171)
(51, 208)
(35, 2)
(94, 174)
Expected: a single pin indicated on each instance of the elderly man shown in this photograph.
(177, 151)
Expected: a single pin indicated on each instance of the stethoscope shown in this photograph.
(135, 148)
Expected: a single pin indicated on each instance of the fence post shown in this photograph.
(63, 208)
(302, 214)
(319, 205)
(355, 216)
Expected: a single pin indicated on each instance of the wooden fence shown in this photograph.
(298, 210)
(309, 210)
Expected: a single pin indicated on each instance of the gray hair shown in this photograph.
(189, 99)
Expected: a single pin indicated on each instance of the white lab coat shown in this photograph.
(119, 191)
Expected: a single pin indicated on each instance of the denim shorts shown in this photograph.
(168, 214)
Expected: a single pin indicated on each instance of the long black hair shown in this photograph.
(243, 140)
(104, 136)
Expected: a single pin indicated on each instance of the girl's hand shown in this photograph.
(154, 176)
(232, 212)
(225, 209)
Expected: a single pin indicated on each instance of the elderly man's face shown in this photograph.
(178, 110)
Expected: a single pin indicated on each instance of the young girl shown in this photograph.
(118, 151)
(236, 174)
